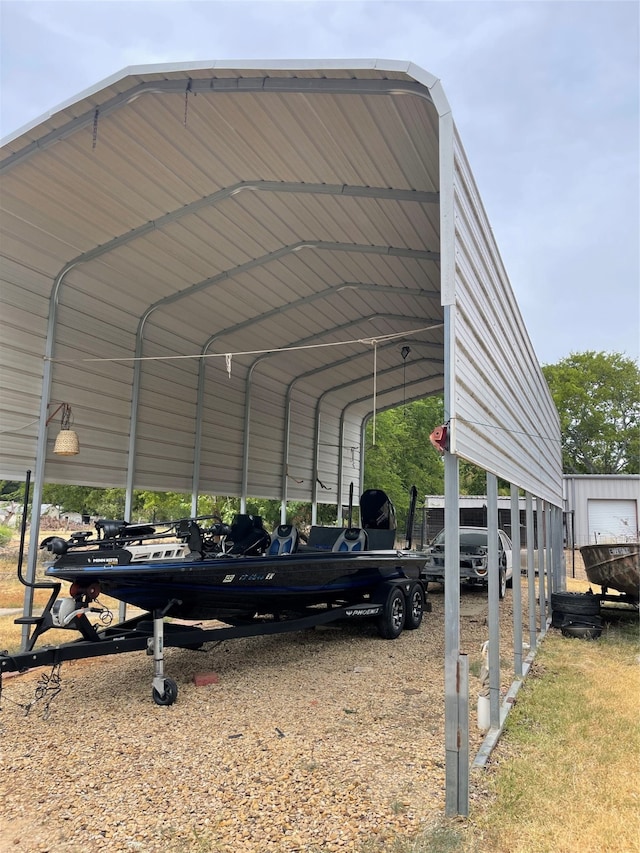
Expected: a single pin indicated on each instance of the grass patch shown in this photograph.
(446, 837)
(565, 774)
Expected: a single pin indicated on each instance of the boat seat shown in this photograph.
(381, 540)
(284, 540)
(351, 539)
(322, 538)
(248, 536)
(190, 533)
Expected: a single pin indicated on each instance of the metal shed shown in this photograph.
(216, 265)
(602, 508)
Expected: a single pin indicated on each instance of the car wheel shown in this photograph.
(502, 591)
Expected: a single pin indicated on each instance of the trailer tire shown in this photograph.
(391, 620)
(415, 607)
(577, 603)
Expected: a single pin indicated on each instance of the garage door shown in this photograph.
(612, 521)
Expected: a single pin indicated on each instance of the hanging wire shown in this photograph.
(375, 389)
(404, 352)
(271, 350)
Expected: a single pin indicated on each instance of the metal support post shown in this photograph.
(452, 632)
(516, 581)
(542, 565)
(531, 573)
(494, 600)
(463, 723)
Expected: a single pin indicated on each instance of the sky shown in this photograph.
(545, 95)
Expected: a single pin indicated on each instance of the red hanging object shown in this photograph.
(439, 439)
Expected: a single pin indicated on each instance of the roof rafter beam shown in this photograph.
(215, 86)
(283, 251)
(383, 193)
(322, 294)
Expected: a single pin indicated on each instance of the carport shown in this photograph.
(216, 267)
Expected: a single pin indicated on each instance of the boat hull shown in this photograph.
(614, 566)
(228, 587)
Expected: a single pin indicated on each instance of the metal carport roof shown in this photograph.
(261, 239)
(216, 265)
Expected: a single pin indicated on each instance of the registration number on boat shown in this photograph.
(254, 576)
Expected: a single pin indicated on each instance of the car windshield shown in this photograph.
(468, 538)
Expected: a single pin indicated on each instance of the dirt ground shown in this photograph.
(311, 741)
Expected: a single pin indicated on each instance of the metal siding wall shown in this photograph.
(328, 453)
(166, 424)
(505, 421)
(351, 457)
(266, 444)
(23, 329)
(301, 459)
(221, 461)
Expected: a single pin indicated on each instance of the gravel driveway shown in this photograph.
(311, 741)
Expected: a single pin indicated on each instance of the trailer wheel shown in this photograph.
(578, 603)
(415, 607)
(168, 695)
(391, 621)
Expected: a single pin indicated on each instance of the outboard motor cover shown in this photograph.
(376, 511)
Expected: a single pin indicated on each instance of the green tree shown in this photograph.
(402, 455)
(597, 395)
(161, 506)
(11, 490)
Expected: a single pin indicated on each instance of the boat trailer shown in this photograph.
(394, 608)
(396, 604)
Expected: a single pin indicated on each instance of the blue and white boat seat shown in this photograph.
(284, 540)
(351, 539)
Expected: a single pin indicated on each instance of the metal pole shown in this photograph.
(463, 718)
(549, 562)
(451, 630)
(531, 572)
(494, 600)
(542, 567)
(516, 581)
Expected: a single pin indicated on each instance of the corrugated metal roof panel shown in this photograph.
(272, 211)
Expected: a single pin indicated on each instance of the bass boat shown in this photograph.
(253, 581)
